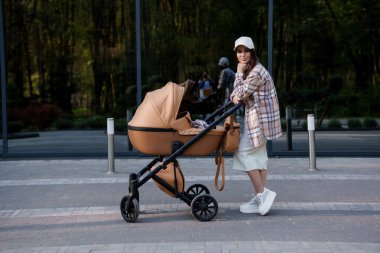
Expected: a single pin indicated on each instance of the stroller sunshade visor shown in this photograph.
(159, 108)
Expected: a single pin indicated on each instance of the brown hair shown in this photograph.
(251, 64)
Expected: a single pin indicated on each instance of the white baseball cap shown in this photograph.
(244, 41)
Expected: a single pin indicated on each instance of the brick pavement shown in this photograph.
(72, 206)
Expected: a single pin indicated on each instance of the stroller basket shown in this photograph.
(158, 129)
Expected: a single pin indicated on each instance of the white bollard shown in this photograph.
(311, 129)
(111, 156)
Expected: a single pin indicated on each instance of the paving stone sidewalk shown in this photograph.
(72, 206)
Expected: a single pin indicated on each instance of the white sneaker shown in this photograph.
(250, 207)
(265, 201)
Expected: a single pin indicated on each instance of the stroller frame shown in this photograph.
(203, 206)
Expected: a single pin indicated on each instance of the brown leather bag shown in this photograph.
(173, 176)
(232, 135)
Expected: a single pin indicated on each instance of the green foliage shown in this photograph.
(98, 122)
(81, 123)
(304, 125)
(95, 122)
(155, 82)
(370, 123)
(335, 84)
(131, 96)
(14, 126)
(82, 54)
(64, 123)
(334, 123)
(354, 123)
(121, 125)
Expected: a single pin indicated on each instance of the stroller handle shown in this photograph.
(222, 114)
(223, 109)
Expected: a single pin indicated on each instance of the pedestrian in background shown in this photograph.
(254, 88)
(205, 86)
(226, 78)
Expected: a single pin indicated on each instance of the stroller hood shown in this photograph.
(159, 107)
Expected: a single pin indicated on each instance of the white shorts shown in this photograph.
(247, 157)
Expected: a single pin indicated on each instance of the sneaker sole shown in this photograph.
(249, 211)
(269, 202)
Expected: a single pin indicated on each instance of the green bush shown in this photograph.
(80, 123)
(64, 123)
(121, 125)
(304, 125)
(354, 123)
(97, 122)
(370, 123)
(334, 123)
(15, 126)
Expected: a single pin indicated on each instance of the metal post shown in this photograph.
(3, 75)
(311, 129)
(111, 154)
(289, 127)
(270, 51)
(138, 51)
(129, 117)
(270, 35)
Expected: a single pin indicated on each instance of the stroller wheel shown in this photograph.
(204, 207)
(197, 189)
(132, 213)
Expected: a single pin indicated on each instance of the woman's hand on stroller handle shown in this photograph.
(236, 100)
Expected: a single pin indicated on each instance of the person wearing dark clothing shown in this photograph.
(226, 78)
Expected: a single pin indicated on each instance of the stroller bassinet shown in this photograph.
(158, 129)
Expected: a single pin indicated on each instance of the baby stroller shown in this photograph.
(158, 129)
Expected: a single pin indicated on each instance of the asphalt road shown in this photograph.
(93, 143)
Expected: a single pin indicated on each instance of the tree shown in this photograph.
(63, 51)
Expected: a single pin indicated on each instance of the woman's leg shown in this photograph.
(263, 175)
(256, 180)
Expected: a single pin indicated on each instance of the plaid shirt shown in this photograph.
(262, 113)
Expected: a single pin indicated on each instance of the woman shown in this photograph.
(254, 88)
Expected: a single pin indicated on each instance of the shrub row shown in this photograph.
(367, 123)
(354, 123)
(95, 122)
(35, 116)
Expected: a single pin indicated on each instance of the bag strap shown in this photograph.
(232, 121)
(219, 161)
(219, 158)
(230, 127)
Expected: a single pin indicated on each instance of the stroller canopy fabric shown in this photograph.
(159, 108)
